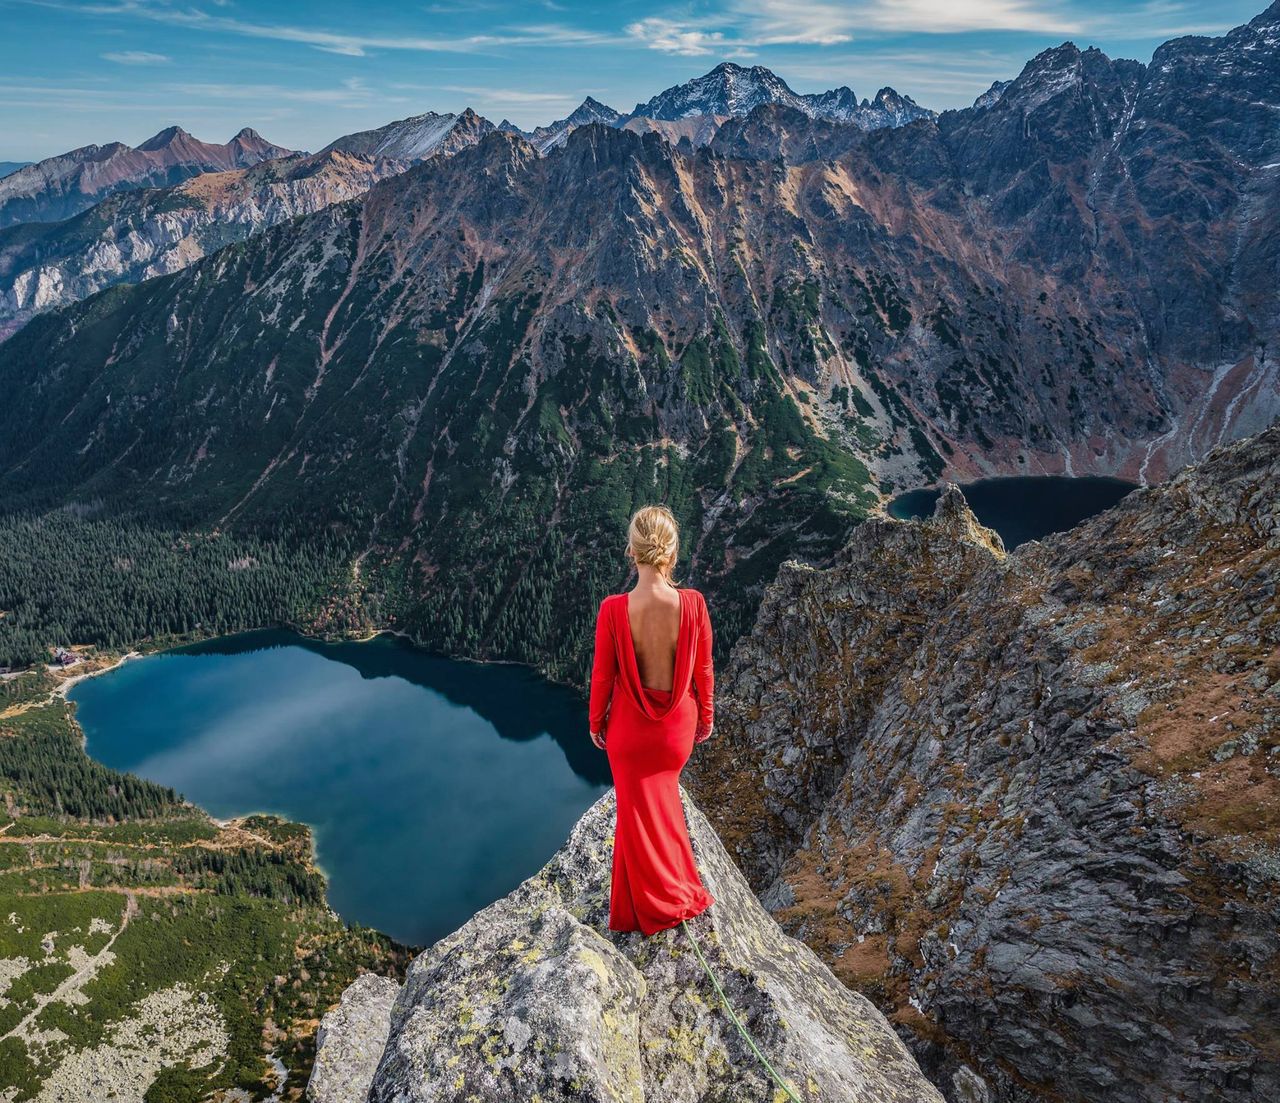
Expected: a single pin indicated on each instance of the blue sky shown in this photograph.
(81, 71)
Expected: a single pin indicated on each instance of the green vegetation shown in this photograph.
(66, 580)
(57, 779)
(217, 934)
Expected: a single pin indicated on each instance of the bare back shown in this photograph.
(654, 616)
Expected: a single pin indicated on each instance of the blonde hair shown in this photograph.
(654, 538)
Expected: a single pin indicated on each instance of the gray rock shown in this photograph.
(534, 999)
(350, 1041)
(1031, 789)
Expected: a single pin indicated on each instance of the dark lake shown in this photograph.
(1024, 508)
(433, 786)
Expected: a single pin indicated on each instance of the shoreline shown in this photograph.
(64, 687)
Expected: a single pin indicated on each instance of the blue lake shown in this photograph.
(433, 786)
(1022, 508)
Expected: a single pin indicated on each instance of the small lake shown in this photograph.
(433, 786)
(1023, 508)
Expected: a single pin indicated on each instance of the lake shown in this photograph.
(433, 786)
(1023, 508)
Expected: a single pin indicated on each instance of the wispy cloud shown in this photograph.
(136, 57)
(676, 38)
(189, 97)
(747, 25)
(351, 44)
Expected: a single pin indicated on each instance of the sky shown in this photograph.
(75, 72)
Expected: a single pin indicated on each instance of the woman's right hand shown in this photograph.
(598, 739)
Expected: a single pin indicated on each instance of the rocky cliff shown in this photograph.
(534, 999)
(1030, 802)
(139, 234)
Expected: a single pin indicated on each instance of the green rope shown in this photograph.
(735, 1020)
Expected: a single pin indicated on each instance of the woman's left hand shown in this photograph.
(598, 739)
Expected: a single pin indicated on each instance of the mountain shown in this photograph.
(137, 235)
(415, 139)
(62, 186)
(1030, 802)
(546, 138)
(992, 94)
(730, 89)
(770, 331)
(8, 168)
(535, 999)
(495, 343)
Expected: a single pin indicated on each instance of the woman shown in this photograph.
(653, 654)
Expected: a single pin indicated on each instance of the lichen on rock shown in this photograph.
(535, 999)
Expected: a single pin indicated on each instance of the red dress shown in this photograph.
(649, 735)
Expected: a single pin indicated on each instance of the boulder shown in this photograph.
(350, 1041)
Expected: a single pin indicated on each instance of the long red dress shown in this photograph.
(649, 735)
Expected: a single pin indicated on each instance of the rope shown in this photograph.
(736, 1021)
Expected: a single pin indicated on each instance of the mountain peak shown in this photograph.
(592, 110)
(164, 138)
(248, 134)
(416, 138)
(728, 89)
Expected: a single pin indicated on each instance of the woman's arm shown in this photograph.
(704, 679)
(604, 672)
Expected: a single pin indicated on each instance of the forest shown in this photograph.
(67, 580)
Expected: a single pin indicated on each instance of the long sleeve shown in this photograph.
(704, 681)
(604, 672)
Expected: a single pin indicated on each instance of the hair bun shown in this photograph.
(654, 537)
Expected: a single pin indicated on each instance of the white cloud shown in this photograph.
(745, 25)
(676, 38)
(334, 42)
(136, 57)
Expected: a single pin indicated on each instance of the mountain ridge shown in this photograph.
(64, 185)
(730, 89)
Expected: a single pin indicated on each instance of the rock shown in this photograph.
(350, 1041)
(1023, 799)
(534, 999)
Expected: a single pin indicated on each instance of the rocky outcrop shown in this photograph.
(350, 1041)
(534, 999)
(1030, 803)
(62, 186)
